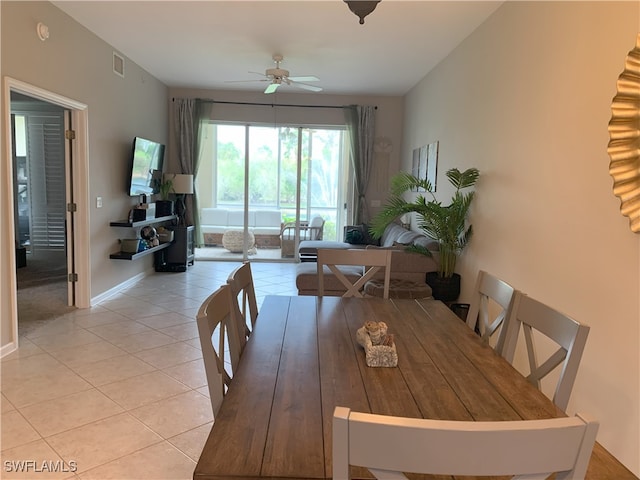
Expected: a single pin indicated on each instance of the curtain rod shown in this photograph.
(256, 104)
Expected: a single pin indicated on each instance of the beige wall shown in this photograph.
(526, 99)
(76, 64)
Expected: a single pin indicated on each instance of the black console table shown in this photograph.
(181, 253)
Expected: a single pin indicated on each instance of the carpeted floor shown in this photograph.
(43, 267)
(42, 289)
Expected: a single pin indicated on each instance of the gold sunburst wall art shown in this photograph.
(624, 139)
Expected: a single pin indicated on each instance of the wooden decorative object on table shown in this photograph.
(379, 346)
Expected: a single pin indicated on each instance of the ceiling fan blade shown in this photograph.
(271, 88)
(312, 88)
(308, 78)
(247, 81)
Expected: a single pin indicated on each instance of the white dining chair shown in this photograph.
(218, 332)
(566, 332)
(530, 449)
(489, 307)
(245, 305)
(372, 260)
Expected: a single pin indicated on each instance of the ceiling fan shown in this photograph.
(278, 76)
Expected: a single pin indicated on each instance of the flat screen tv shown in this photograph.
(146, 167)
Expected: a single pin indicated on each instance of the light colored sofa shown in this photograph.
(407, 266)
(394, 234)
(264, 224)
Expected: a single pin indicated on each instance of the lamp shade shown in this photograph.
(182, 183)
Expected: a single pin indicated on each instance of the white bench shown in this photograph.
(264, 224)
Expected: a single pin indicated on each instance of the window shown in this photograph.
(268, 157)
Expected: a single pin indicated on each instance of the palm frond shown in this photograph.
(404, 182)
(395, 207)
(446, 224)
(465, 179)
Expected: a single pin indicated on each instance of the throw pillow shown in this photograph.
(354, 236)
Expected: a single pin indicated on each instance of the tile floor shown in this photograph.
(118, 391)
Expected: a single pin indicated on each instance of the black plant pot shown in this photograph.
(164, 208)
(446, 289)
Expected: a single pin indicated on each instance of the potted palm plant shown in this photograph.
(446, 224)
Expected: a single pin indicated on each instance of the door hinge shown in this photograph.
(70, 134)
(72, 207)
(72, 277)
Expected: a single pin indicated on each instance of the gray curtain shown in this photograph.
(190, 117)
(361, 120)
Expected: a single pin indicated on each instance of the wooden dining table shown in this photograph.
(302, 360)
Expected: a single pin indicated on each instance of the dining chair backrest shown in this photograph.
(566, 332)
(216, 330)
(531, 449)
(244, 304)
(489, 307)
(372, 260)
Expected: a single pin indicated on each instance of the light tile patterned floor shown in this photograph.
(118, 391)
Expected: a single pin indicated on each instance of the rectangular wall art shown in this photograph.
(432, 163)
(425, 163)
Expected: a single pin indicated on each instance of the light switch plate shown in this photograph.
(98, 202)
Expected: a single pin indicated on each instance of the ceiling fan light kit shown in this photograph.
(278, 76)
(362, 8)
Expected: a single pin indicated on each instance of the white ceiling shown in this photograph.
(205, 44)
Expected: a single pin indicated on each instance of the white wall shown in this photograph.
(527, 99)
(76, 64)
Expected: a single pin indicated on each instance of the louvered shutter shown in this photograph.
(45, 160)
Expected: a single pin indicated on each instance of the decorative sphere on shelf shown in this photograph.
(148, 233)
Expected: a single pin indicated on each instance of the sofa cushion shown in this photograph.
(307, 278)
(427, 242)
(268, 218)
(408, 266)
(398, 288)
(391, 234)
(214, 216)
(236, 218)
(310, 247)
(213, 229)
(408, 237)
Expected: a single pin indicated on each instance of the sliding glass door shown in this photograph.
(259, 188)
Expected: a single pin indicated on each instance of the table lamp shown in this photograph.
(182, 185)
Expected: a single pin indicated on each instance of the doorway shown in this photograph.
(76, 147)
(40, 197)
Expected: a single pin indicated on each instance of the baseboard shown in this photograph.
(115, 290)
(8, 348)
